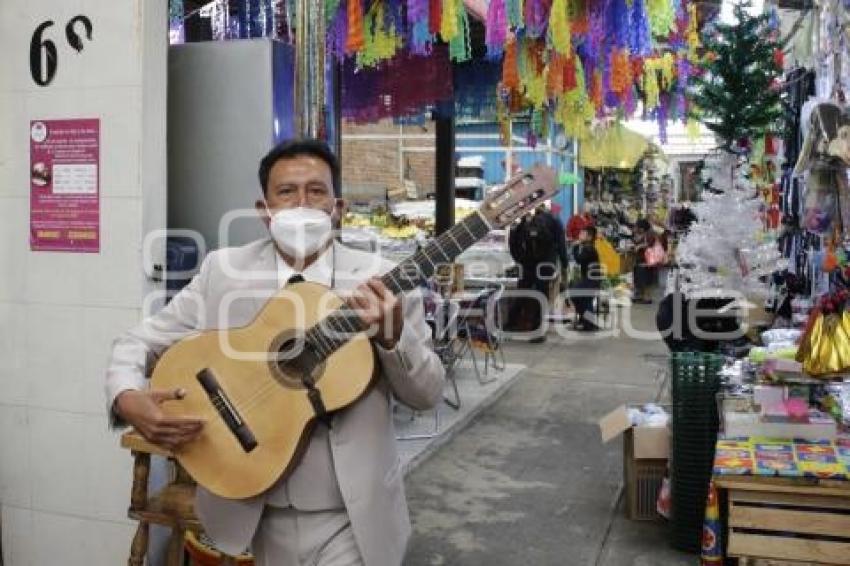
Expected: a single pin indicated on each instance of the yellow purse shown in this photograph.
(825, 347)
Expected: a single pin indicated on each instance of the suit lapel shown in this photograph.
(263, 282)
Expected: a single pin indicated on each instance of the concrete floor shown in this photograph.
(529, 482)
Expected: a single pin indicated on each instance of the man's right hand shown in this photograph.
(142, 410)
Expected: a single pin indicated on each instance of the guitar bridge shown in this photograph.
(227, 410)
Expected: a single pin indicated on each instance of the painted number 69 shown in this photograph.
(43, 55)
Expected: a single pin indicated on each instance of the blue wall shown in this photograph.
(494, 172)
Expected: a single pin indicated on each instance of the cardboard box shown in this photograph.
(650, 443)
(645, 453)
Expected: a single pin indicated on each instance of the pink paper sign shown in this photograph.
(65, 185)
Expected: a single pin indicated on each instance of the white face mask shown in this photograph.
(300, 232)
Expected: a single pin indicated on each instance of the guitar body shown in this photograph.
(260, 391)
(258, 416)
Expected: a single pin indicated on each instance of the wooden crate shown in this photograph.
(781, 520)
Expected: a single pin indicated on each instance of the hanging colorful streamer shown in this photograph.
(448, 21)
(515, 11)
(566, 60)
(640, 40)
(559, 27)
(621, 73)
(390, 91)
(662, 17)
(536, 16)
(331, 6)
(575, 111)
(497, 28)
(693, 34)
(510, 71)
(380, 42)
(418, 26)
(356, 40)
(459, 49)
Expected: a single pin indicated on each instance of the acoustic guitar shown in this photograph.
(315, 358)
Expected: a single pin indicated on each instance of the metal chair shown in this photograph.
(602, 308)
(447, 344)
(443, 320)
(473, 328)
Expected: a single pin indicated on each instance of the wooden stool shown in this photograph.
(793, 519)
(173, 506)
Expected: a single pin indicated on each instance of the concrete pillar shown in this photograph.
(64, 482)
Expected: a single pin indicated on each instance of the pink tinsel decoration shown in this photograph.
(537, 16)
(405, 85)
(497, 27)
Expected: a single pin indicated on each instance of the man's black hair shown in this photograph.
(302, 146)
(591, 231)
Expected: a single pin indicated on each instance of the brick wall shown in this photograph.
(369, 167)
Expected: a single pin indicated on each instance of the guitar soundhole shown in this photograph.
(291, 358)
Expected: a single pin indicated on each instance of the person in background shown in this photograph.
(536, 244)
(576, 224)
(645, 276)
(588, 283)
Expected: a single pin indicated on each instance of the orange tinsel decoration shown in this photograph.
(579, 23)
(570, 79)
(621, 72)
(596, 91)
(535, 55)
(510, 75)
(555, 76)
(355, 40)
(637, 66)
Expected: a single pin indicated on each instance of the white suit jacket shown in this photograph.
(362, 439)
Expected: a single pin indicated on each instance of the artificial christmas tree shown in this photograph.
(737, 95)
(729, 250)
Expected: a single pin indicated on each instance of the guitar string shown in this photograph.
(250, 401)
(327, 348)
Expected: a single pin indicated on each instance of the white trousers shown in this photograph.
(288, 537)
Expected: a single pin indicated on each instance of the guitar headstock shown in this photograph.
(520, 194)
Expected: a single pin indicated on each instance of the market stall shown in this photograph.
(756, 314)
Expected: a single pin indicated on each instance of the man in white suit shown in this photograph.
(344, 503)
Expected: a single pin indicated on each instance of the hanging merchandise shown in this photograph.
(825, 347)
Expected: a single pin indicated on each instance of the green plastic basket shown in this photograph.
(695, 382)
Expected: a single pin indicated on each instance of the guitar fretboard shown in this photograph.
(341, 325)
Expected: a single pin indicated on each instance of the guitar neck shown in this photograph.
(440, 251)
(341, 325)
